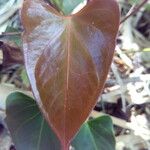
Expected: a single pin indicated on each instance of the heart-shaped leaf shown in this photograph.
(30, 131)
(96, 134)
(67, 60)
(27, 125)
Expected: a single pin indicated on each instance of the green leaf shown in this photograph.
(66, 6)
(24, 77)
(96, 134)
(31, 132)
(15, 38)
(27, 125)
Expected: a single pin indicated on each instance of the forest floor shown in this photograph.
(126, 96)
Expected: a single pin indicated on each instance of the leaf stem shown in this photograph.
(65, 146)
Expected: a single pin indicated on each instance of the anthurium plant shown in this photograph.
(67, 58)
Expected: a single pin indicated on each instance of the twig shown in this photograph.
(117, 121)
(10, 33)
(135, 10)
(121, 123)
(141, 78)
(120, 82)
(124, 57)
(112, 97)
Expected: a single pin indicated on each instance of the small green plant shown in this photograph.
(67, 58)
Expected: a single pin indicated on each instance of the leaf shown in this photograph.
(27, 126)
(14, 38)
(12, 55)
(24, 77)
(11, 49)
(66, 6)
(24, 121)
(67, 60)
(96, 134)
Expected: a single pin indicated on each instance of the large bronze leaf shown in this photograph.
(67, 59)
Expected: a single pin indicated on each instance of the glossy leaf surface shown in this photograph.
(30, 131)
(67, 60)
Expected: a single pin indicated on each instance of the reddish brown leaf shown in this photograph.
(12, 55)
(67, 60)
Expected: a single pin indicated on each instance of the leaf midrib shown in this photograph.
(68, 46)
